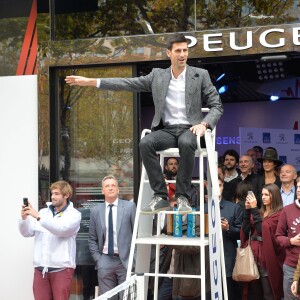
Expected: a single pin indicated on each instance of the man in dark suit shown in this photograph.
(110, 233)
(178, 94)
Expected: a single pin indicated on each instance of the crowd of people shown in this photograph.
(259, 198)
(259, 204)
(263, 207)
(268, 192)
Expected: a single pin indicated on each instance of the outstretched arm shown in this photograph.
(81, 81)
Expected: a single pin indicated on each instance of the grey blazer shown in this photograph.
(97, 231)
(198, 90)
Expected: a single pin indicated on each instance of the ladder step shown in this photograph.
(173, 275)
(170, 240)
(174, 181)
(174, 152)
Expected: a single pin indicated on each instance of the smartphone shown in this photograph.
(250, 193)
(25, 201)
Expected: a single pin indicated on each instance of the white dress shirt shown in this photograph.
(114, 213)
(175, 108)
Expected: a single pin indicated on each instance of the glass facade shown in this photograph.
(95, 138)
(92, 19)
(95, 132)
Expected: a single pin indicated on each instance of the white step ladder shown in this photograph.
(142, 238)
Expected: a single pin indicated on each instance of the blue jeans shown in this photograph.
(175, 136)
(288, 274)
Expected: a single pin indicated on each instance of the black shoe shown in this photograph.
(183, 205)
(156, 204)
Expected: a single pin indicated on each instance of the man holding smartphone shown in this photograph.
(55, 229)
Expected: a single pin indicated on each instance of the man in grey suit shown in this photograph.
(178, 94)
(110, 233)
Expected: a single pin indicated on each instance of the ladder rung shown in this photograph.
(170, 240)
(175, 152)
(174, 181)
(172, 212)
(173, 275)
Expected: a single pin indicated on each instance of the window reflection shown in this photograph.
(96, 139)
(89, 19)
(96, 134)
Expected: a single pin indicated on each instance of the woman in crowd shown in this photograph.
(241, 192)
(270, 163)
(269, 256)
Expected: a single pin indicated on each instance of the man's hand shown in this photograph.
(224, 224)
(295, 240)
(81, 81)
(294, 288)
(24, 212)
(198, 129)
(28, 211)
(251, 201)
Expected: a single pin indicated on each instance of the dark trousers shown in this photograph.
(89, 280)
(234, 289)
(165, 289)
(170, 137)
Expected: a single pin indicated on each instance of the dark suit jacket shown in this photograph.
(97, 231)
(198, 89)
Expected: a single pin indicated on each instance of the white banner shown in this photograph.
(19, 178)
(286, 142)
(214, 219)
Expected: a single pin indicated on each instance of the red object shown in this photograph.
(172, 190)
(295, 125)
(28, 55)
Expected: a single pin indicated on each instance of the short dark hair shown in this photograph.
(175, 38)
(242, 189)
(233, 153)
(171, 158)
(259, 149)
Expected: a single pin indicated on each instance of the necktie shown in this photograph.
(110, 232)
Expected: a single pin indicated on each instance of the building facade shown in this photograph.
(85, 134)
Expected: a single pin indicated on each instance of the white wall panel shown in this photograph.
(18, 179)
